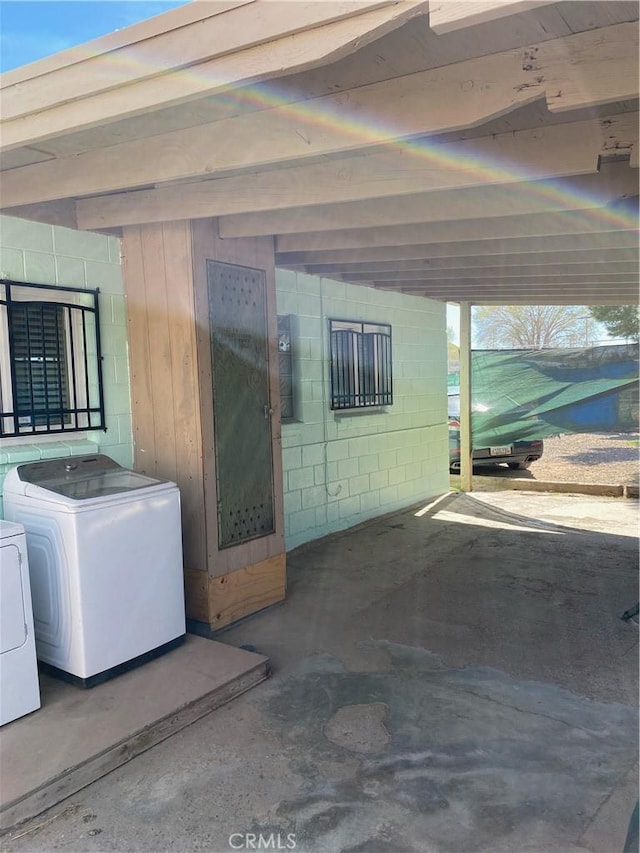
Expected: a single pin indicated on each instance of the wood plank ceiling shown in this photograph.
(479, 151)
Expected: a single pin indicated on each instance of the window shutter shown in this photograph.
(40, 364)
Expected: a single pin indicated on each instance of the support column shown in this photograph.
(175, 405)
(466, 466)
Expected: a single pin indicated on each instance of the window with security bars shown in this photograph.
(50, 363)
(361, 366)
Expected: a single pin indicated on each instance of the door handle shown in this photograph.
(268, 411)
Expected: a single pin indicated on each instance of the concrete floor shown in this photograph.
(452, 680)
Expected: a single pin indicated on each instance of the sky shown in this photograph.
(31, 29)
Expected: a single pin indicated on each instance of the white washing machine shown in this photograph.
(19, 686)
(105, 560)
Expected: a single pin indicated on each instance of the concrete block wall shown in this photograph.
(339, 468)
(343, 468)
(47, 254)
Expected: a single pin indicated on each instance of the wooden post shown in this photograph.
(165, 273)
(466, 466)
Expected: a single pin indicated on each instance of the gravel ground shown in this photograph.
(611, 458)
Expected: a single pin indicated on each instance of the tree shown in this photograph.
(453, 351)
(532, 326)
(621, 321)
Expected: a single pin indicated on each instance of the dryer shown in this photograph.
(105, 557)
(19, 686)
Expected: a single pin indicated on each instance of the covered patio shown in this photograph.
(453, 677)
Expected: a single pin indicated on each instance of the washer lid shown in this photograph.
(84, 477)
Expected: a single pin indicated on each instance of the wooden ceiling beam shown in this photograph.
(446, 16)
(221, 30)
(560, 297)
(73, 98)
(614, 262)
(462, 230)
(583, 192)
(553, 152)
(615, 55)
(464, 94)
(560, 272)
(533, 283)
(591, 259)
(472, 252)
(625, 294)
(61, 212)
(507, 288)
(613, 298)
(122, 38)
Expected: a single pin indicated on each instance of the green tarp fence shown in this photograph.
(526, 394)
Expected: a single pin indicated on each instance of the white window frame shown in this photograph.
(80, 363)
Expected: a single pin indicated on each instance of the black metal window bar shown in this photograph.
(50, 360)
(361, 368)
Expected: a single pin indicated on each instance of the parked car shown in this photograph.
(516, 454)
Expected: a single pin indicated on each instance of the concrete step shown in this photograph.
(79, 735)
(527, 484)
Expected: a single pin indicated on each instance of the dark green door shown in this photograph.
(241, 403)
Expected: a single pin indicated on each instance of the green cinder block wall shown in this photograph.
(46, 254)
(339, 469)
(344, 468)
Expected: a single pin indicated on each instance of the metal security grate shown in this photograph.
(50, 362)
(361, 366)
(242, 408)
